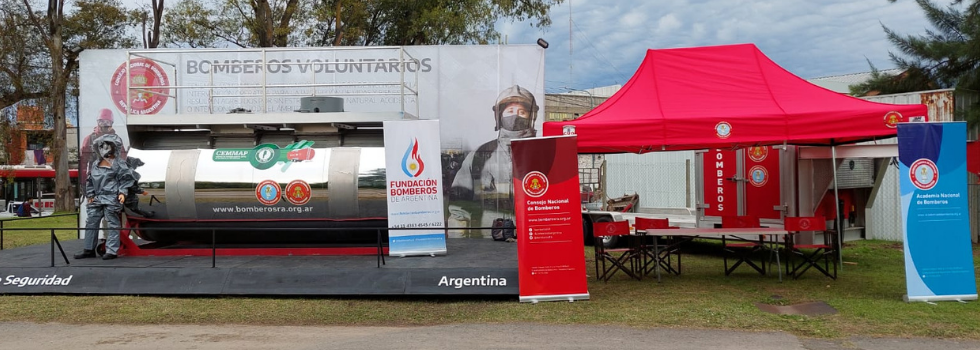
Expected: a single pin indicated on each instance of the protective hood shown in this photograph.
(114, 139)
(134, 162)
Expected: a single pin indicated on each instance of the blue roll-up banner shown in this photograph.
(935, 212)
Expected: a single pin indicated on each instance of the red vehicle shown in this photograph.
(22, 181)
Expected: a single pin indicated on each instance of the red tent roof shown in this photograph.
(726, 97)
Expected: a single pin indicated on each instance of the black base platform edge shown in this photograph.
(259, 281)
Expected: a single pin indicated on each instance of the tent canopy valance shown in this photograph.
(726, 97)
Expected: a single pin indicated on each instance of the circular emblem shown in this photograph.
(610, 229)
(267, 192)
(723, 130)
(145, 74)
(893, 118)
(924, 174)
(298, 192)
(804, 224)
(758, 153)
(264, 156)
(535, 184)
(758, 176)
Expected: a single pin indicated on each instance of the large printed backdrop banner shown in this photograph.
(932, 168)
(460, 85)
(550, 262)
(414, 188)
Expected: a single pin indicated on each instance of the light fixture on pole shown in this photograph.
(542, 43)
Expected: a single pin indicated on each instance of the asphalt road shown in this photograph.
(460, 336)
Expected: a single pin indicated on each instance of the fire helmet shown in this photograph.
(105, 117)
(515, 94)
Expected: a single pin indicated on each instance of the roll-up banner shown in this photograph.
(550, 262)
(414, 181)
(720, 194)
(932, 169)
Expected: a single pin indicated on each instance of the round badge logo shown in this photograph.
(267, 192)
(535, 184)
(264, 156)
(758, 153)
(924, 174)
(804, 224)
(144, 74)
(298, 192)
(758, 176)
(723, 130)
(893, 118)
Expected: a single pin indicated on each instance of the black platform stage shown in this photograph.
(471, 267)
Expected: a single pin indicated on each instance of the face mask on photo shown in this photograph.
(513, 122)
(515, 117)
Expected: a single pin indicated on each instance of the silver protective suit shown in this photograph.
(103, 186)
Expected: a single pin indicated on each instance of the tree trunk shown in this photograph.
(154, 35)
(63, 198)
(339, 29)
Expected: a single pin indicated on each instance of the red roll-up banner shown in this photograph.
(550, 255)
(720, 191)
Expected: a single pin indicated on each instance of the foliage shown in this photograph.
(21, 53)
(243, 23)
(255, 23)
(947, 56)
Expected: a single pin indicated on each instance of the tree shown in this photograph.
(151, 37)
(347, 22)
(945, 57)
(243, 23)
(94, 24)
(20, 54)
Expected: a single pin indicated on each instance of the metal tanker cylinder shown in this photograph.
(295, 186)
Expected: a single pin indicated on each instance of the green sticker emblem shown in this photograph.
(267, 155)
(264, 156)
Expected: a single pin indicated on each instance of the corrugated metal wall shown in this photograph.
(855, 173)
(884, 219)
(662, 179)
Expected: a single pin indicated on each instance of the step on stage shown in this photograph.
(471, 267)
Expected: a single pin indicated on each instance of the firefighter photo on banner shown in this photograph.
(483, 96)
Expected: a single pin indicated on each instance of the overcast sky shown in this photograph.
(811, 38)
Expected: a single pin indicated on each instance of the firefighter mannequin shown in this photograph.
(109, 179)
(485, 175)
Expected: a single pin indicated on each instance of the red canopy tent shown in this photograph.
(726, 97)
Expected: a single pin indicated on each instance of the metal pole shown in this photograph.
(212, 249)
(401, 75)
(265, 109)
(839, 223)
(52, 247)
(1, 234)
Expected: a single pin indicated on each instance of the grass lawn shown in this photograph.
(20, 238)
(868, 296)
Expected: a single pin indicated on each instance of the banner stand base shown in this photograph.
(559, 297)
(931, 298)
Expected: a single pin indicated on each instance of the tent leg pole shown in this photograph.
(840, 221)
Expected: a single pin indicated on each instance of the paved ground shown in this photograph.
(466, 336)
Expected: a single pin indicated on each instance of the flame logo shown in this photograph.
(412, 164)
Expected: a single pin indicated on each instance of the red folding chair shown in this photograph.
(742, 250)
(665, 249)
(613, 260)
(826, 251)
